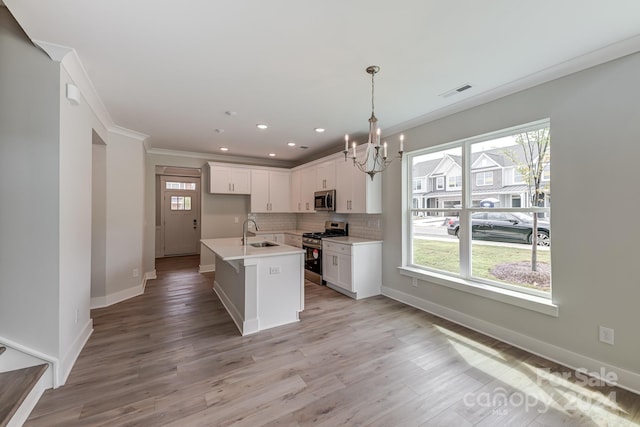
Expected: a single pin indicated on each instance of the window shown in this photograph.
(440, 183)
(417, 184)
(180, 185)
(498, 236)
(180, 203)
(455, 182)
(484, 178)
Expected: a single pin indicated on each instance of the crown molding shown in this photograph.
(129, 133)
(56, 52)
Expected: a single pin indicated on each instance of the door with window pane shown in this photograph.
(181, 215)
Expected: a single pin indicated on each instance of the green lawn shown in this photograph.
(444, 256)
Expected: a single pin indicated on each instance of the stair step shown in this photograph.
(15, 387)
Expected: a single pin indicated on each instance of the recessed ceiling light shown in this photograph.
(224, 149)
(272, 154)
(291, 144)
(261, 126)
(319, 130)
(218, 130)
(230, 113)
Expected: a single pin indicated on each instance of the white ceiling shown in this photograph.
(171, 69)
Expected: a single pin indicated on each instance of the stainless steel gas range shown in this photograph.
(312, 244)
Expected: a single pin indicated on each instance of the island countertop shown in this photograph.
(230, 249)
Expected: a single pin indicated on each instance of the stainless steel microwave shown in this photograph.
(324, 200)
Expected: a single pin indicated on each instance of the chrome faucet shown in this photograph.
(245, 230)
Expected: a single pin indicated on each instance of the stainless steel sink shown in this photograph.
(263, 244)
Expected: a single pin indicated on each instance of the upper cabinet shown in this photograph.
(229, 179)
(355, 191)
(270, 190)
(303, 185)
(326, 176)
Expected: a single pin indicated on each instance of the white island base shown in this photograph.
(262, 288)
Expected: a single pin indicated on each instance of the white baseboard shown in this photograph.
(125, 294)
(626, 379)
(23, 412)
(150, 275)
(72, 355)
(207, 268)
(116, 297)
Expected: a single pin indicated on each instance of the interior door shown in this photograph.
(181, 215)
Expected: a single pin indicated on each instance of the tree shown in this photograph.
(535, 146)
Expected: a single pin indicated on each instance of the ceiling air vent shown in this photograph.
(456, 91)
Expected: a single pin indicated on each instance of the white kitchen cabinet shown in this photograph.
(307, 188)
(270, 190)
(296, 202)
(293, 240)
(326, 176)
(303, 183)
(352, 268)
(355, 191)
(228, 179)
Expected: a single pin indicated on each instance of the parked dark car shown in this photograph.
(513, 227)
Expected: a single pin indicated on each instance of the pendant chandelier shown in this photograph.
(375, 159)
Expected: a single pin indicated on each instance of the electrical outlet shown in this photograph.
(236, 220)
(414, 282)
(607, 335)
(274, 270)
(136, 272)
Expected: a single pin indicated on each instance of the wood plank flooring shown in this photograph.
(173, 357)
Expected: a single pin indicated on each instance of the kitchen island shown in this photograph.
(260, 286)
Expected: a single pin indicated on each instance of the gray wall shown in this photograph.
(595, 131)
(29, 170)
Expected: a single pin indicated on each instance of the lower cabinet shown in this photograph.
(293, 240)
(353, 269)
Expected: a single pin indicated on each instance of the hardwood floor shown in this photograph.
(173, 357)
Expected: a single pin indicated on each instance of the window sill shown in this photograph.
(529, 302)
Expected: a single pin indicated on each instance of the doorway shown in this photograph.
(179, 214)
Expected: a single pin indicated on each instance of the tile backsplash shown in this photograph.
(360, 225)
(276, 221)
(367, 226)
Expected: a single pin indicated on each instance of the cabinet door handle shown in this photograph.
(234, 187)
(229, 186)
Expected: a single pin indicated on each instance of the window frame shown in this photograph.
(483, 174)
(532, 299)
(454, 179)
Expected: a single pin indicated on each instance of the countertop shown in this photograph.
(348, 240)
(230, 249)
